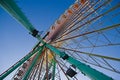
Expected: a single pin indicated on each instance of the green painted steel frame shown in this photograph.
(85, 69)
(33, 63)
(11, 7)
(2, 76)
(54, 67)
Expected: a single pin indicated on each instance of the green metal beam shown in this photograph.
(11, 7)
(33, 63)
(85, 69)
(54, 67)
(11, 69)
(88, 71)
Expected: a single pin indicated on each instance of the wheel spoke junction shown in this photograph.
(83, 43)
(95, 30)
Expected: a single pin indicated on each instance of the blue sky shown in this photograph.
(15, 41)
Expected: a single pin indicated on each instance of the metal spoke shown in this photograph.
(91, 32)
(111, 58)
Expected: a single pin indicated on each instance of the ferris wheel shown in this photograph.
(83, 43)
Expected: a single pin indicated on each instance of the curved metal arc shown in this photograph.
(85, 18)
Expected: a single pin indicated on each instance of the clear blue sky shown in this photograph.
(15, 41)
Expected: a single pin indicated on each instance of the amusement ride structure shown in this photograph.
(78, 43)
